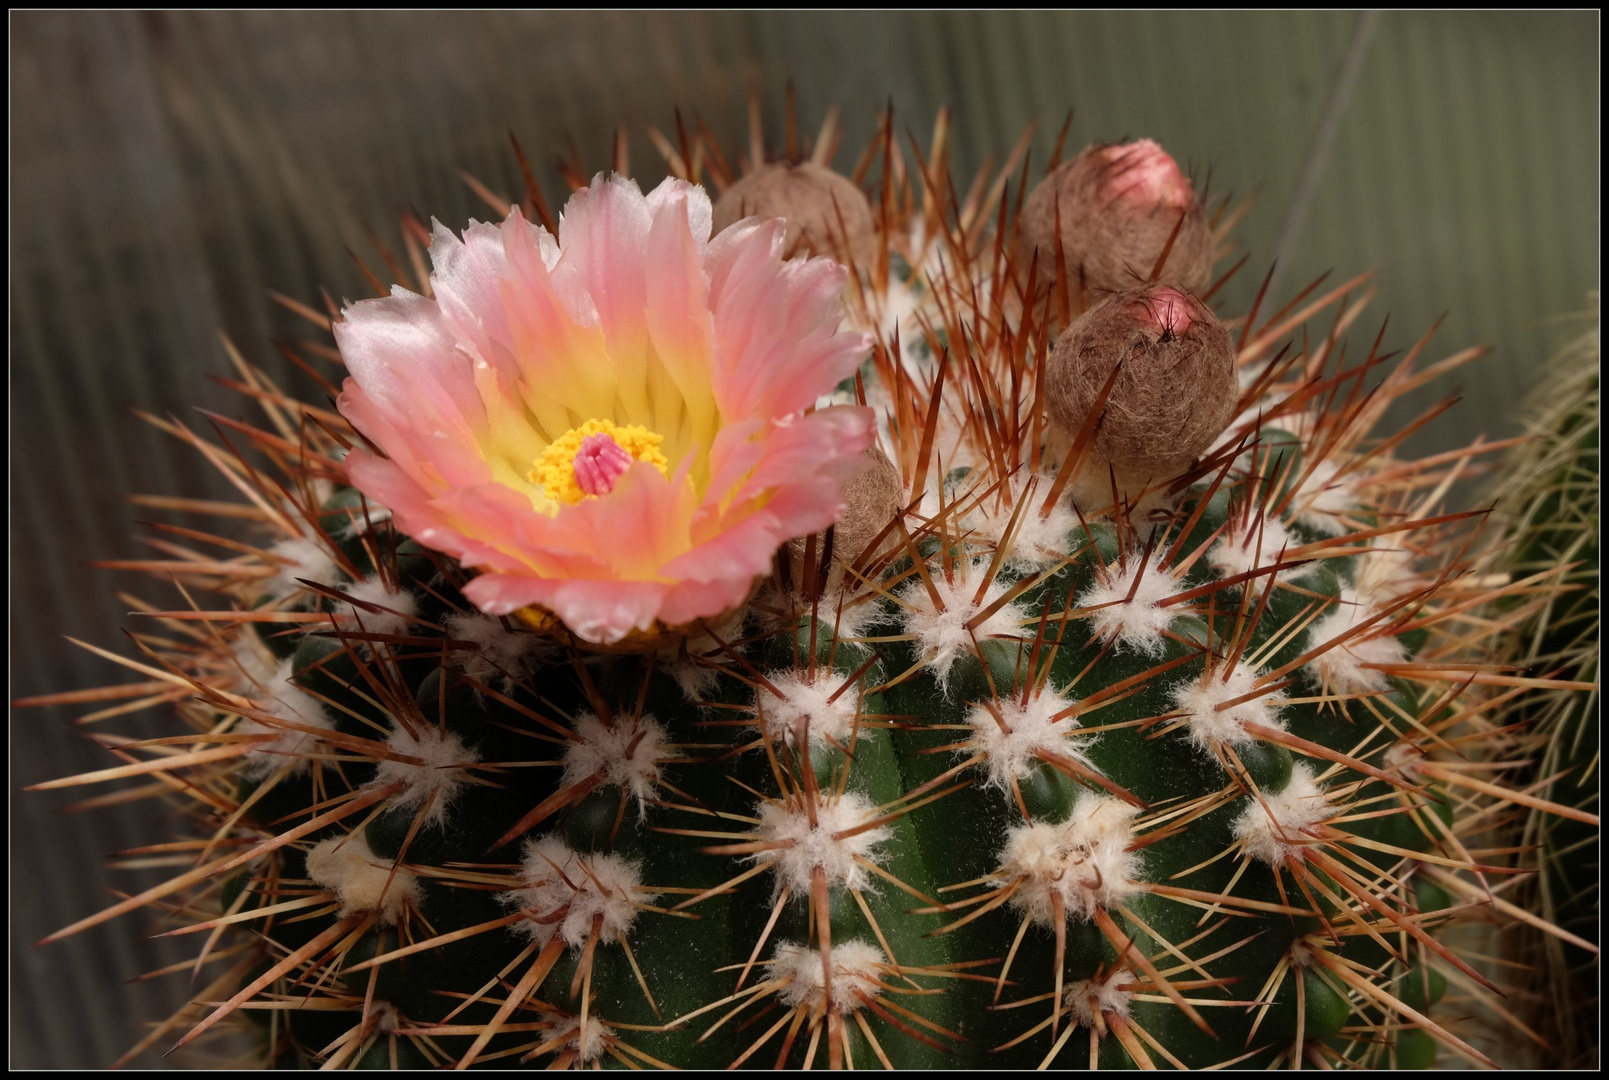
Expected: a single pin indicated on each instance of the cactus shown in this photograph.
(1118, 719)
(1547, 493)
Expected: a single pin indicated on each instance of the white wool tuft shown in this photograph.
(284, 700)
(1404, 759)
(254, 664)
(375, 591)
(589, 1046)
(308, 560)
(1032, 728)
(1245, 546)
(386, 1017)
(506, 656)
(813, 847)
(1342, 669)
(564, 891)
(1385, 572)
(856, 966)
(1088, 999)
(1039, 541)
(941, 633)
(361, 880)
(805, 698)
(695, 680)
(1136, 623)
(1086, 859)
(1211, 727)
(1278, 825)
(697, 677)
(627, 753)
(441, 776)
(1322, 501)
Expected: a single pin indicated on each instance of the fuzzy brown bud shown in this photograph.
(826, 213)
(1118, 206)
(1174, 395)
(871, 500)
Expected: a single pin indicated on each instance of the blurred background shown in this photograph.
(170, 169)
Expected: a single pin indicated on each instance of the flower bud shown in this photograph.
(871, 500)
(1174, 395)
(1118, 206)
(826, 213)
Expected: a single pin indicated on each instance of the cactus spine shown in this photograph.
(1126, 732)
(1548, 495)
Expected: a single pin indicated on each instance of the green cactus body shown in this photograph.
(1040, 778)
(1547, 493)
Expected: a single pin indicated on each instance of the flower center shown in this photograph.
(586, 461)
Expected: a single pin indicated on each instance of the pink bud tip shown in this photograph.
(599, 463)
(1143, 175)
(1167, 308)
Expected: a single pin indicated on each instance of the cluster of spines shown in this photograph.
(1014, 719)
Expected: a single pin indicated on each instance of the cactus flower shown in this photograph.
(613, 426)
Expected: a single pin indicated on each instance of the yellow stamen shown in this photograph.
(555, 469)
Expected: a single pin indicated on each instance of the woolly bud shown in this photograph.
(1176, 391)
(871, 500)
(826, 213)
(1118, 206)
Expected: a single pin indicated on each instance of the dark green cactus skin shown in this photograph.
(689, 963)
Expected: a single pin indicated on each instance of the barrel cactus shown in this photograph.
(1547, 495)
(922, 632)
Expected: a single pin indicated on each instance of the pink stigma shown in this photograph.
(599, 463)
(1145, 176)
(1167, 308)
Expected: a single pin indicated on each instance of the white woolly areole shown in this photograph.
(1033, 727)
(564, 891)
(375, 591)
(1135, 622)
(308, 560)
(693, 679)
(813, 846)
(286, 701)
(1385, 572)
(1208, 725)
(1321, 500)
(502, 657)
(360, 879)
(941, 632)
(438, 780)
(1250, 545)
(1404, 759)
(1039, 540)
(697, 677)
(589, 1045)
(1279, 825)
(1086, 859)
(1341, 668)
(856, 966)
(1088, 999)
(627, 753)
(1301, 954)
(806, 698)
(254, 664)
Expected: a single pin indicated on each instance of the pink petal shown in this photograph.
(400, 353)
(602, 234)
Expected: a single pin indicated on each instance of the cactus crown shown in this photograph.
(1122, 720)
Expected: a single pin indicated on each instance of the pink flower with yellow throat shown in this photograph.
(611, 427)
